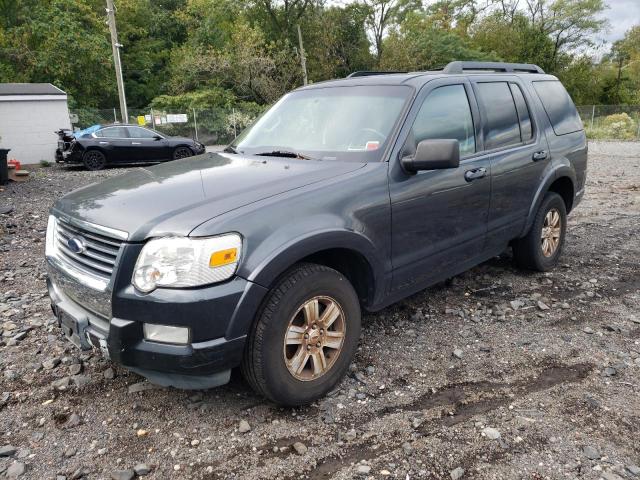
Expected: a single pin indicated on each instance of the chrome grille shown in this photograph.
(99, 253)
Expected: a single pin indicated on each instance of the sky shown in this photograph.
(622, 15)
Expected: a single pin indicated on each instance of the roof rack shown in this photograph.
(365, 73)
(460, 67)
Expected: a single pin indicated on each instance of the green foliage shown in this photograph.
(45, 163)
(219, 54)
(619, 126)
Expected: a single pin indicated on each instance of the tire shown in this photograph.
(271, 358)
(94, 160)
(182, 152)
(532, 251)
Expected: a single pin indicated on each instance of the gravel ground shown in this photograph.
(496, 373)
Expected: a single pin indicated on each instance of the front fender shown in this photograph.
(277, 261)
(559, 171)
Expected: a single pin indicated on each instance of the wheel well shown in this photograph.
(352, 265)
(563, 186)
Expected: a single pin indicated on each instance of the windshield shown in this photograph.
(334, 123)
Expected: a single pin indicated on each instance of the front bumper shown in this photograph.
(218, 317)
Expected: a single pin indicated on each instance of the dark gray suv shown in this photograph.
(345, 195)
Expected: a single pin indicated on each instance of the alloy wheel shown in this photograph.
(182, 152)
(551, 231)
(314, 338)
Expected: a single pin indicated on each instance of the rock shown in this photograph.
(244, 426)
(633, 470)
(73, 421)
(542, 305)
(123, 474)
(80, 380)
(142, 469)
(609, 372)
(16, 469)
(350, 435)
(491, 433)
(20, 336)
(109, 374)
(141, 387)
(591, 452)
(363, 469)
(370, 370)
(458, 353)
(407, 448)
(516, 304)
(61, 383)
(195, 442)
(51, 363)
(7, 451)
(456, 473)
(70, 452)
(75, 369)
(588, 330)
(610, 476)
(300, 448)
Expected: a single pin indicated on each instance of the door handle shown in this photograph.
(541, 155)
(471, 175)
(103, 143)
(136, 143)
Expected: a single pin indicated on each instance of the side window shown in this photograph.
(560, 109)
(445, 114)
(501, 127)
(112, 132)
(138, 132)
(526, 131)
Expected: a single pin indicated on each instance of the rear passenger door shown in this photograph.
(518, 151)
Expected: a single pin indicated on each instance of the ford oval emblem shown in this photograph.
(76, 245)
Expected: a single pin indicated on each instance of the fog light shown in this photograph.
(165, 334)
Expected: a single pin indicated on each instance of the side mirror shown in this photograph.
(432, 155)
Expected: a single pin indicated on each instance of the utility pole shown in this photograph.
(115, 46)
(303, 58)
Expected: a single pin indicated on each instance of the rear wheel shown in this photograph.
(94, 160)
(540, 249)
(182, 152)
(304, 337)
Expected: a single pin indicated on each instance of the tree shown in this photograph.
(382, 14)
(570, 24)
(61, 43)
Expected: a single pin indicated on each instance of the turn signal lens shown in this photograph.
(223, 257)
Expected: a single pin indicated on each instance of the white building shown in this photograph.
(30, 113)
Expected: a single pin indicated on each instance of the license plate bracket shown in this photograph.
(75, 330)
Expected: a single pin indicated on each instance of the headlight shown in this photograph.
(186, 262)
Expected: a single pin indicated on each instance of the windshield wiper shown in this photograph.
(284, 153)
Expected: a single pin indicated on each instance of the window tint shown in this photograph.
(112, 132)
(560, 109)
(526, 132)
(501, 127)
(445, 114)
(138, 132)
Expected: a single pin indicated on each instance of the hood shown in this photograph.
(175, 197)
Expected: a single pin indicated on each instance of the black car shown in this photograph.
(345, 196)
(125, 144)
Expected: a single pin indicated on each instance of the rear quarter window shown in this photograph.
(559, 107)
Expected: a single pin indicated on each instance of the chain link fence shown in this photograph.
(219, 126)
(611, 122)
(214, 126)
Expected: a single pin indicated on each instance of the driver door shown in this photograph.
(439, 217)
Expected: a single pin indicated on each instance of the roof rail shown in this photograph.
(365, 73)
(460, 67)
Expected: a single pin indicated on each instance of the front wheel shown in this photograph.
(540, 249)
(94, 160)
(182, 152)
(304, 337)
